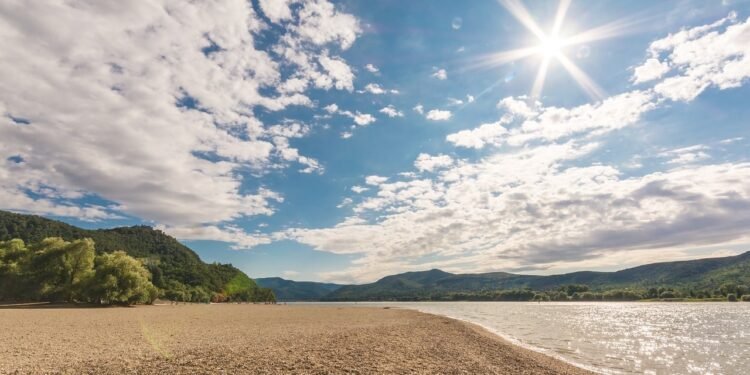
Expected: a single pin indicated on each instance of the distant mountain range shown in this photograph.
(701, 274)
(288, 290)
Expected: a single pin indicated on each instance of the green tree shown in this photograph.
(121, 279)
(61, 269)
(13, 254)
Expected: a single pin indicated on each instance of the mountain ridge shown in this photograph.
(697, 274)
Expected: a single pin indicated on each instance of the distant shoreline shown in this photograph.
(257, 338)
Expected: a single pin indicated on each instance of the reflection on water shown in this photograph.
(637, 337)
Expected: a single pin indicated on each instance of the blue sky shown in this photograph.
(345, 141)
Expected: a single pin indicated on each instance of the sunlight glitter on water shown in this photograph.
(619, 338)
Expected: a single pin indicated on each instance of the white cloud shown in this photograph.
(346, 135)
(277, 10)
(391, 111)
(491, 133)
(686, 155)
(731, 140)
(151, 111)
(359, 189)
(430, 163)
(363, 119)
(455, 102)
(438, 115)
(715, 55)
(553, 123)
(375, 180)
(376, 89)
(238, 237)
(331, 108)
(517, 106)
(440, 74)
(339, 72)
(469, 99)
(419, 109)
(650, 70)
(372, 68)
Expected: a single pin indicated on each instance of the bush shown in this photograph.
(746, 298)
(731, 297)
(667, 294)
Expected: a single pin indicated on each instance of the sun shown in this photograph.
(551, 46)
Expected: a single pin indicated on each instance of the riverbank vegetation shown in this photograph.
(579, 292)
(56, 270)
(176, 271)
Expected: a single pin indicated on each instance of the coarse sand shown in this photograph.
(256, 339)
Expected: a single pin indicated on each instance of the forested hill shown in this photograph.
(288, 290)
(175, 268)
(700, 278)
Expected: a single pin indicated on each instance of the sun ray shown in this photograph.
(610, 30)
(552, 45)
(516, 8)
(501, 58)
(541, 75)
(583, 80)
(562, 9)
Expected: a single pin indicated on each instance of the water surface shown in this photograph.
(618, 337)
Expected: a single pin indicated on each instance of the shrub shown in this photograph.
(731, 297)
(746, 298)
(667, 294)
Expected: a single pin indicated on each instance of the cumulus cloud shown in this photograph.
(650, 70)
(151, 110)
(374, 88)
(438, 115)
(361, 119)
(440, 74)
(419, 109)
(391, 111)
(554, 123)
(490, 133)
(276, 10)
(372, 68)
(430, 163)
(359, 189)
(714, 55)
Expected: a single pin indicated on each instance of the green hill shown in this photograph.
(684, 277)
(288, 290)
(175, 268)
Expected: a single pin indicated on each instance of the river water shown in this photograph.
(617, 337)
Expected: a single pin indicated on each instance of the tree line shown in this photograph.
(57, 270)
(581, 292)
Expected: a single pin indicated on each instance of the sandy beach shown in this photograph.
(262, 339)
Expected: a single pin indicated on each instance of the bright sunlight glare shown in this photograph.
(551, 46)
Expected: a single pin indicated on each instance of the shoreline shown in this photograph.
(258, 339)
(513, 341)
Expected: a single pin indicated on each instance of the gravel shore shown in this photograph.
(257, 339)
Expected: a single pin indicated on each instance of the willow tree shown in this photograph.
(120, 279)
(62, 269)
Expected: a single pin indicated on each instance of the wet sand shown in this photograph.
(258, 339)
